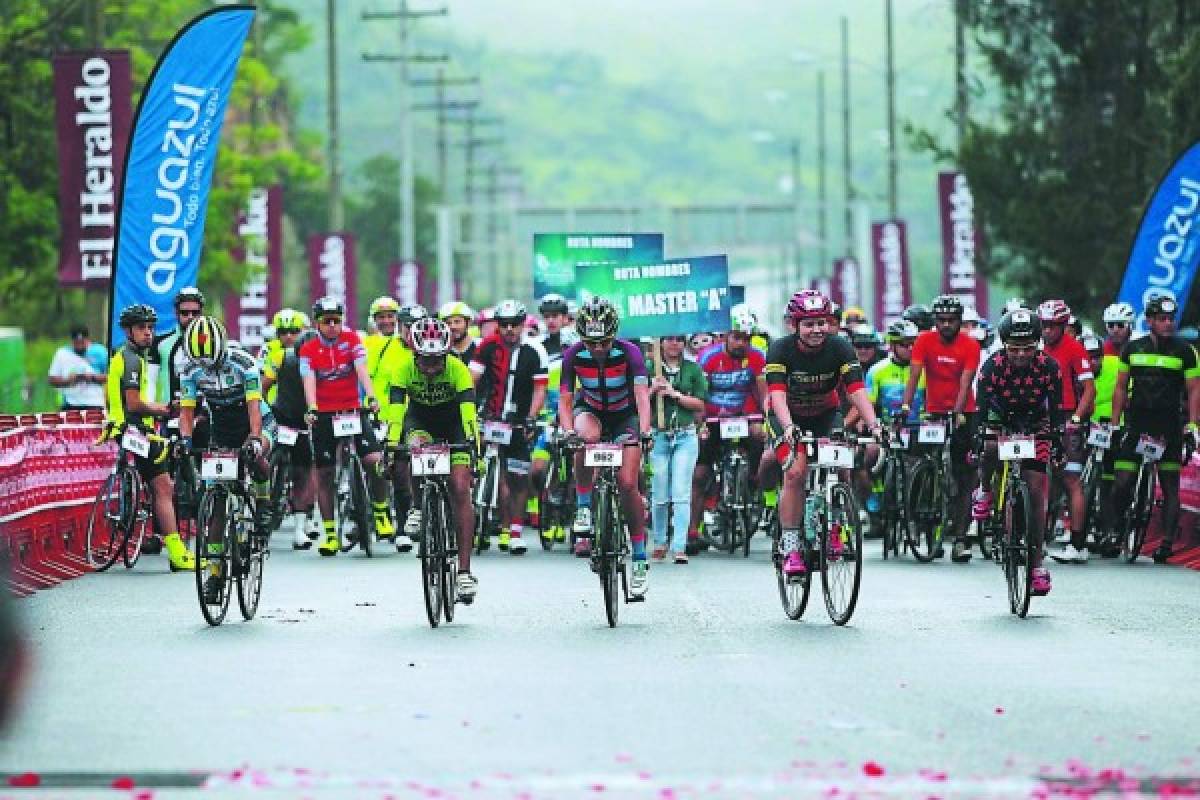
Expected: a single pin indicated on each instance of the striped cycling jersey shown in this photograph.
(605, 387)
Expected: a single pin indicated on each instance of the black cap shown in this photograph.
(79, 331)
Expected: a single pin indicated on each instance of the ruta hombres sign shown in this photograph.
(893, 292)
(170, 161)
(93, 112)
(556, 256)
(961, 242)
(332, 271)
(684, 295)
(260, 232)
(1166, 248)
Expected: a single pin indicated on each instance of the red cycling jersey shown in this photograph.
(1073, 363)
(944, 365)
(332, 362)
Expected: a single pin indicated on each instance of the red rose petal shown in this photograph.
(26, 780)
(872, 769)
(122, 783)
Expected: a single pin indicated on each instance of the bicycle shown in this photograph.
(1012, 516)
(832, 541)
(280, 464)
(486, 497)
(437, 545)
(898, 531)
(611, 551)
(123, 508)
(556, 495)
(1136, 518)
(1099, 441)
(353, 501)
(225, 536)
(932, 488)
(736, 504)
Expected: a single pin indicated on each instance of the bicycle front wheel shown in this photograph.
(607, 531)
(249, 560)
(925, 523)
(104, 535)
(841, 550)
(1018, 549)
(449, 559)
(360, 500)
(793, 592)
(431, 554)
(214, 548)
(1138, 516)
(281, 468)
(139, 520)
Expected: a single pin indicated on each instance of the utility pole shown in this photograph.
(441, 105)
(893, 201)
(94, 21)
(795, 154)
(847, 165)
(494, 171)
(407, 163)
(335, 162)
(470, 145)
(822, 177)
(960, 70)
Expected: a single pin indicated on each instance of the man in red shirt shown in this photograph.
(1076, 369)
(333, 367)
(948, 358)
(1118, 319)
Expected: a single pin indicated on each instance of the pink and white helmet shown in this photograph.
(808, 304)
(430, 337)
(1054, 312)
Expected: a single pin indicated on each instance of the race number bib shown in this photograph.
(497, 432)
(932, 433)
(602, 455)
(431, 460)
(1016, 448)
(830, 454)
(1100, 436)
(286, 435)
(219, 465)
(735, 428)
(1149, 448)
(346, 425)
(136, 442)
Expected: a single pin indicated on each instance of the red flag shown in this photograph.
(331, 270)
(961, 242)
(893, 292)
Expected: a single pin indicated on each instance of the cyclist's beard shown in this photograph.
(736, 352)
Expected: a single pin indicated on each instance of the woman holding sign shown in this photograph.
(679, 390)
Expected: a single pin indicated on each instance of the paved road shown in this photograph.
(341, 687)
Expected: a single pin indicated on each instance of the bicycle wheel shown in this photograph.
(429, 548)
(841, 544)
(281, 474)
(214, 550)
(793, 592)
(547, 511)
(249, 560)
(449, 559)
(1138, 516)
(360, 498)
(1018, 548)
(483, 506)
(104, 535)
(889, 516)
(607, 522)
(924, 530)
(139, 520)
(739, 534)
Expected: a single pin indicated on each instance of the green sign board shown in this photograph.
(678, 296)
(557, 255)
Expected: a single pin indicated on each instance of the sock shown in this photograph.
(770, 497)
(330, 527)
(584, 497)
(380, 508)
(790, 541)
(531, 507)
(639, 547)
(693, 533)
(515, 529)
(262, 490)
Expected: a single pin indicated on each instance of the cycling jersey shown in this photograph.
(811, 378)
(385, 357)
(227, 389)
(1158, 370)
(271, 352)
(467, 353)
(1025, 399)
(287, 390)
(607, 388)
(168, 359)
(128, 370)
(731, 381)
(1106, 381)
(886, 382)
(508, 376)
(1074, 365)
(442, 406)
(332, 361)
(944, 364)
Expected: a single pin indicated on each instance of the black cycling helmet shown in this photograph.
(552, 304)
(948, 304)
(919, 315)
(597, 320)
(189, 293)
(1020, 326)
(412, 312)
(328, 305)
(137, 314)
(1161, 304)
(863, 336)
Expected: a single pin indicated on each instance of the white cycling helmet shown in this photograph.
(430, 337)
(742, 319)
(1119, 312)
(971, 315)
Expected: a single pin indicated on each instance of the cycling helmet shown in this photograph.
(205, 341)
(1091, 342)
(1020, 326)
(984, 334)
(430, 337)
(808, 304)
(510, 311)
(552, 304)
(485, 315)
(412, 312)
(920, 315)
(1119, 312)
(948, 304)
(902, 330)
(742, 320)
(137, 314)
(1054, 312)
(854, 316)
(1161, 304)
(572, 307)
(863, 336)
(1013, 303)
(456, 308)
(383, 304)
(597, 320)
(533, 327)
(328, 305)
(189, 293)
(289, 319)
(971, 315)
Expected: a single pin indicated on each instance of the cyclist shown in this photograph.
(851, 319)
(168, 356)
(1019, 392)
(435, 397)
(1076, 370)
(947, 359)
(129, 389)
(885, 389)
(227, 377)
(553, 308)
(865, 341)
(458, 315)
(386, 349)
(485, 321)
(732, 369)
(510, 377)
(333, 367)
(1105, 367)
(804, 374)
(285, 394)
(919, 315)
(1158, 383)
(612, 404)
(1118, 321)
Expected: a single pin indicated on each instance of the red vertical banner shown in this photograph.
(961, 242)
(822, 285)
(260, 236)
(409, 283)
(93, 112)
(846, 286)
(893, 287)
(331, 270)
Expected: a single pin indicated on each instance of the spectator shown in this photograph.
(78, 371)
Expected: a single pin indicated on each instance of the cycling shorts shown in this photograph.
(444, 429)
(325, 443)
(1165, 427)
(621, 427)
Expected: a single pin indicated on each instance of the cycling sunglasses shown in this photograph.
(1021, 349)
(286, 331)
(329, 321)
(1116, 325)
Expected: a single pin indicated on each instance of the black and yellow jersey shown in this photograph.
(128, 370)
(431, 397)
(1158, 372)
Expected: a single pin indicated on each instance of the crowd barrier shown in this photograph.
(50, 473)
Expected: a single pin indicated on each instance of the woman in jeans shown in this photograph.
(683, 389)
